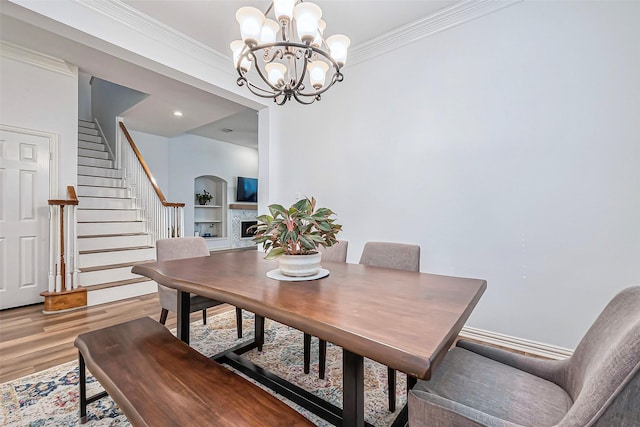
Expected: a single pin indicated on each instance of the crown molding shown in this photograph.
(443, 19)
(160, 32)
(31, 57)
(459, 13)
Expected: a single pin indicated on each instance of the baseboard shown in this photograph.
(516, 344)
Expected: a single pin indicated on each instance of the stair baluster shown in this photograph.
(63, 292)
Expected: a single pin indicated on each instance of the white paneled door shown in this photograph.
(24, 212)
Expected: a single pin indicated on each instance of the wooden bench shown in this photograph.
(157, 380)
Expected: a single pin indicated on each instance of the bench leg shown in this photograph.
(204, 316)
(83, 388)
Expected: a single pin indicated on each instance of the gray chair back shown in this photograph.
(335, 253)
(400, 256)
(603, 374)
(177, 248)
(181, 247)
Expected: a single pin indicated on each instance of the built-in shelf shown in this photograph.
(244, 206)
(212, 218)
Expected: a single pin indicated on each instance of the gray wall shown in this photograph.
(108, 100)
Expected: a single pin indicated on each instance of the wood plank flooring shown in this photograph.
(31, 341)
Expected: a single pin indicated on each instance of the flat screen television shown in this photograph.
(247, 190)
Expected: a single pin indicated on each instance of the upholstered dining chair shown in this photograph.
(400, 256)
(179, 248)
(335, 253)
(599, 385)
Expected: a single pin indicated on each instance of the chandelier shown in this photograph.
(290, 56)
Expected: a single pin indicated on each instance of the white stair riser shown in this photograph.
(116, 257)
(89, 161)
(104, 203)
(93, 228)
(93, 153)
(92, 215)
(102, 296)
(92, 146)
(112, 242)
(99, 181)
(105, 276)
(83, 130)
(88, 191)
(89, 138)
(93, 171)
(86, 123)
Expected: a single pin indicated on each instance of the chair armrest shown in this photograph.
(426, 409)
(550, 370)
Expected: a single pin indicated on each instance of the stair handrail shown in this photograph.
(167, 222)
(63, 247)
(152, 180)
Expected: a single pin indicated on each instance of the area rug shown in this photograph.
(50, 397)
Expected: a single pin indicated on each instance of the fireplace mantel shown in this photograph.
(244, 206)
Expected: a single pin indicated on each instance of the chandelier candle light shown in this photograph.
(295, 57)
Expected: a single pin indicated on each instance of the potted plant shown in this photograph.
(204, 197)
(293, 235)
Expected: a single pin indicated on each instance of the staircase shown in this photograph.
(111, 231)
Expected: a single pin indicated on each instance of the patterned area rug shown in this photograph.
(50, 397)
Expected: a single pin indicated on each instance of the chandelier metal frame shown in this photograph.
(297, 55)
(293, 88)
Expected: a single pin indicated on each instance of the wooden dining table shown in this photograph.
(404, 320)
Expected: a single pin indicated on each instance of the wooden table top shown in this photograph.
(404, 320)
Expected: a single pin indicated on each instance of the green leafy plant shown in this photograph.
(299, 230)
(204, 197)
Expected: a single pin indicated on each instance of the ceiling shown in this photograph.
(211, 22)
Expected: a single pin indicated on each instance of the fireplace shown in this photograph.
(244, 231)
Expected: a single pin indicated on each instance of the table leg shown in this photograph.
(352, 389)
(184, 309)
(259, 331)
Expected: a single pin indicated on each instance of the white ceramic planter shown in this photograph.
(300, 265)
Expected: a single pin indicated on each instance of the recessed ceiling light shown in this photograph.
(177, 113)
(226, 130)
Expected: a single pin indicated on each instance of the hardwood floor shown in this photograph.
(31, 341)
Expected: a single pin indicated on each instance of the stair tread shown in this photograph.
(104, 222)
(93, 236)
(100, 186)
(117, 283)
(106, 209)
(92, 157)
(129, 248)
(104, 197)
(98, 167)
(97, 176)
(113, 266)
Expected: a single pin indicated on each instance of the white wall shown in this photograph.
(155, 151)
(507, 147)
(41, 99)
(84, 97)
(176, 162)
